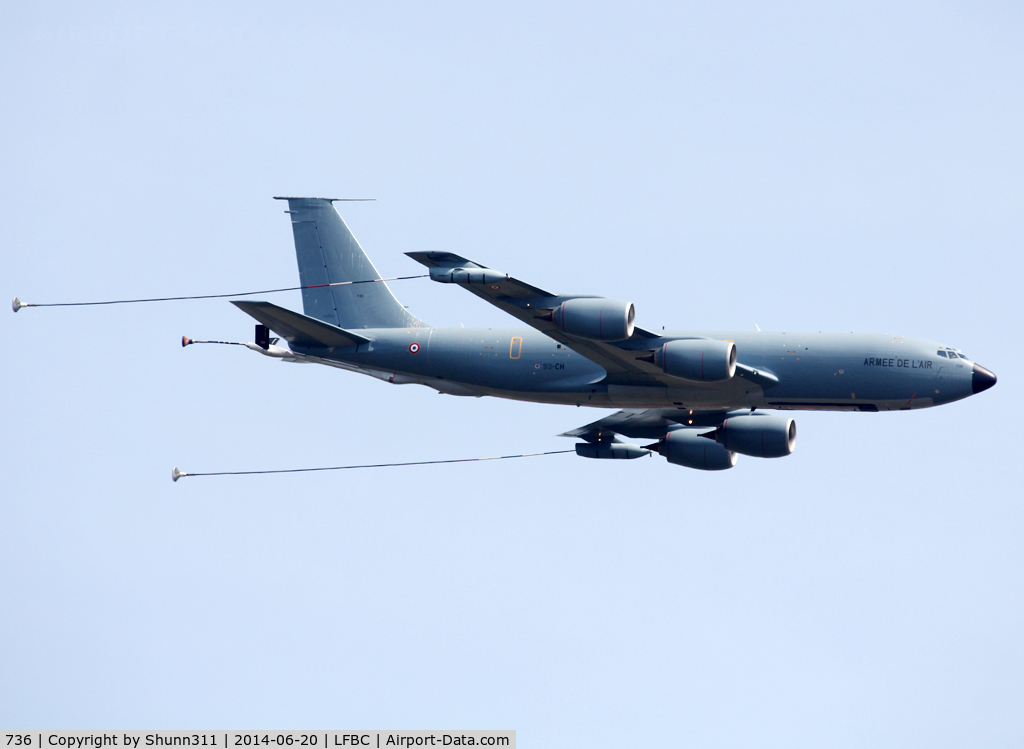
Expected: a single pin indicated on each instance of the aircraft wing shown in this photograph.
(649, 423)
(622, 360)
(530, 305)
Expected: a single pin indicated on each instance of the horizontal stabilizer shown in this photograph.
(300, 329)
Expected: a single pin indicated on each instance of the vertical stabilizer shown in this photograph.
(327, 253)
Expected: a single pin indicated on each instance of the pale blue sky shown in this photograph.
(841, 167)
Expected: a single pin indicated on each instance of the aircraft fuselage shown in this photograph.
(815, 371)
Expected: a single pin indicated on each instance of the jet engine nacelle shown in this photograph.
(700, 360)
(759, 435)
(685, 447)
(610, 450)
(597, 319)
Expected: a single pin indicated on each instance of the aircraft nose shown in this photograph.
(982, 379)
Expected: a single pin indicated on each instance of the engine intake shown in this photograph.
(597, 319)
(685, 447)
(759, 435)
(699, 360)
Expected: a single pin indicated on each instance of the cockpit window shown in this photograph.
(941, 352)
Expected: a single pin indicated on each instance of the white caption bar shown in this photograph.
(252, 739)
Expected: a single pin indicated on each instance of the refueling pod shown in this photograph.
(698, 359)
(466, 275)
(598, 319)
(759, 435)
(610, 450)
(685, 447)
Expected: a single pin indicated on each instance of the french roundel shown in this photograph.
(414, 348)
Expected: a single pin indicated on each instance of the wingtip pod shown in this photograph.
(610, 450)
(17, 304)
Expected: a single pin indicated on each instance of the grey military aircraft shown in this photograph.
(700, 395)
